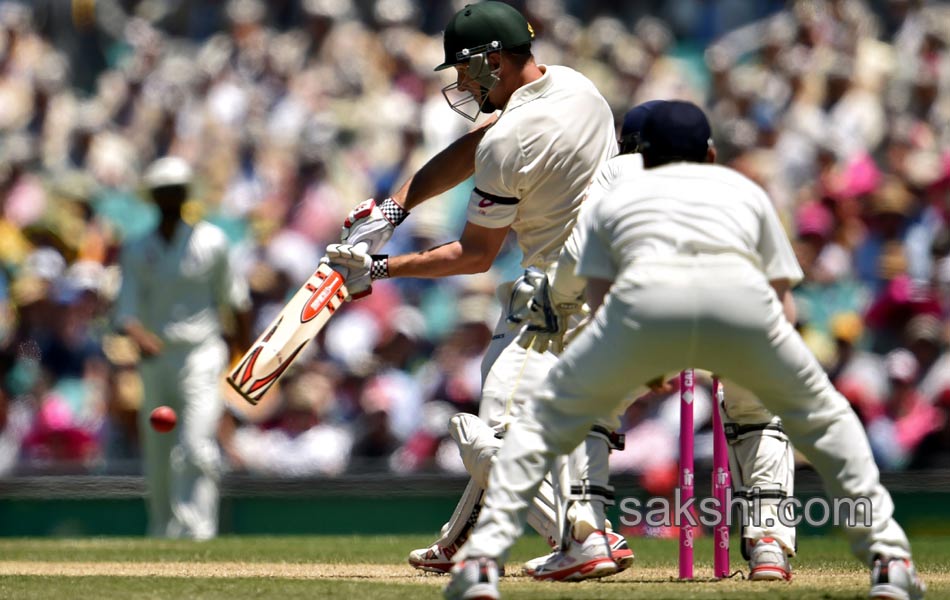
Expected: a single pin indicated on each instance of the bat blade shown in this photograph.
(288, 334)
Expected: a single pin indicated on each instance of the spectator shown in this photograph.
(859, 375)
(924, 337)
(934, 450)
(301, 440)
(906, 419)
(899, 300)
(56, 439)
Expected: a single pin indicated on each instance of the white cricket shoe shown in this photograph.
(895, 579)
(619, 550)
(434, 559)
(768, 561)
(588, 560)
(473, 579)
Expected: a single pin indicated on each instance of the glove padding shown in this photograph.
(546, 317)
(372, 224)
(523, 292)
(355, 264)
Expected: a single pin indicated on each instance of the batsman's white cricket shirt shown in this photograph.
(680, 210)
(175, 288)
(534, 164)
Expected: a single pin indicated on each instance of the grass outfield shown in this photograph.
(374, 569)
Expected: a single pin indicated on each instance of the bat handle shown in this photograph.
(343, 271)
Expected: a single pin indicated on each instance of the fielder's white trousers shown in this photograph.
(182, 467)
(711, 312)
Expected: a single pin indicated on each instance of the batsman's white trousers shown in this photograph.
(762, 464)
(510, 375)
(182, 467)
(711, 312)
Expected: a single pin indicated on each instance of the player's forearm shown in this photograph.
(148, 342)
(442, 172)
(474, 252)
(566, 285)
(784, 292)
(441, 261)
(597, 290)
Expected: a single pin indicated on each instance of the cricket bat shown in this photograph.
(300, 321)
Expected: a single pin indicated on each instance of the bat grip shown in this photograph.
(343, 271)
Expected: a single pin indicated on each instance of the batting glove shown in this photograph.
(358, 267)
(372, 224)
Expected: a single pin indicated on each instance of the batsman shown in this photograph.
(531, 169)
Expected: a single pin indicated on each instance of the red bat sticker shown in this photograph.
(320, 298)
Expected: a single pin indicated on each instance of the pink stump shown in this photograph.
(686, 470)
(721, 481)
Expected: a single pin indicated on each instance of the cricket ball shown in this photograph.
(163, 419)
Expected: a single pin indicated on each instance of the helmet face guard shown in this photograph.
(480, 71)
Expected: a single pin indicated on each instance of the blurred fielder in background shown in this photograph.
(174, 281)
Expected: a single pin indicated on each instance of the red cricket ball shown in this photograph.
(163, 419)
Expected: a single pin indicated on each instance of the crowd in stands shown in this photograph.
(293, 111)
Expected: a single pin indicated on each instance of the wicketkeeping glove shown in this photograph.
(358, 267)
(547, 316)
(523, 291)
(372, 223)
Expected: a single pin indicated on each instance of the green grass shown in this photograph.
(332, 567)
(260, 549)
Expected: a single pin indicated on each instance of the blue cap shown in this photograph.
(633, 125)
(675, 131)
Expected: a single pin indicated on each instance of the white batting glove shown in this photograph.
(358, 267)
(372, 224)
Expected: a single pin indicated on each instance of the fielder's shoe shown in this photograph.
(895, 579)
(434, 559)
(619, 550)
(768, 561)
(588, 560)
(474, 579)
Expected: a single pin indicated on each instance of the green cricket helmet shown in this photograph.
(483, 27)
(470, 35)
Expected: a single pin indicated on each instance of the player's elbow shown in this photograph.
(479, 263)
(479, 246)
(475, 259)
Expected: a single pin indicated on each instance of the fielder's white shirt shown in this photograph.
(175, 288)
(534, 164)
(608, 175)
(680, 210)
